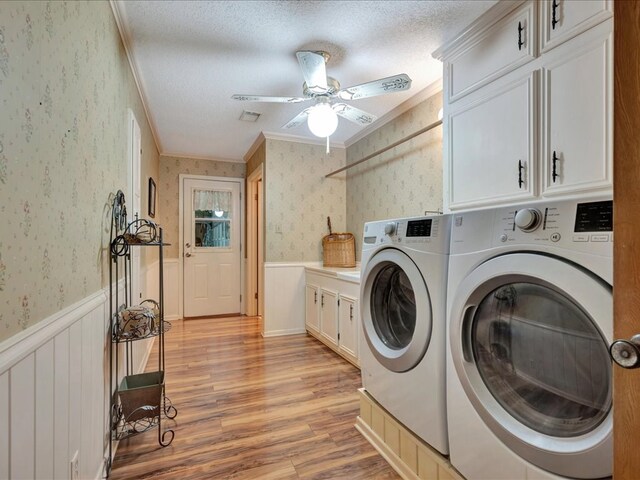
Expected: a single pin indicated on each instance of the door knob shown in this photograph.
(626, 353)
(188, 254)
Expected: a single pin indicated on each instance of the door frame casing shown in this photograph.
(181, 178)
(253, 281)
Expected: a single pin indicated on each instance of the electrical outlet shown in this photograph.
(75, 470)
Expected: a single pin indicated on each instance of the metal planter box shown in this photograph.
(141, 395)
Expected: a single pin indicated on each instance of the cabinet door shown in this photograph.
(312, 318)
(492, 146)
(564, 19)
(503, 47)
(577, 106)
(329, 315)
(348, 326)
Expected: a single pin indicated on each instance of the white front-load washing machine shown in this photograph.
(530, 319)
(403, 305)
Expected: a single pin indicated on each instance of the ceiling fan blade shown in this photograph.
(297, 120)
(396, 83)
(266, 98)
(314, 70)
(353, 114)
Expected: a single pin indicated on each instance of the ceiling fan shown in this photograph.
(325, 92)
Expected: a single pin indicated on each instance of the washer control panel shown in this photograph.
(556, 223)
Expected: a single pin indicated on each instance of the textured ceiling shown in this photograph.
(190, 57)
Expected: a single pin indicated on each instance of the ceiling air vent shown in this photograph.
(249, 116)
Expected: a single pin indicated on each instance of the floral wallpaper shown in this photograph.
(169, 190)
(65, 87)
(298, 199)
(402, 182)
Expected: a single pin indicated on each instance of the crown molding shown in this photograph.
(189, 156)
(421, 96)
(297, 139)
(124, 37)
(484, 21)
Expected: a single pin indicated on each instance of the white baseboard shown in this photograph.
(280, 333)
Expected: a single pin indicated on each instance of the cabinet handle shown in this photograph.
(554, 172)
(351, 312)
(322, 300)
(554, 17)
(315, 297)
(520, 41)
(520, 169)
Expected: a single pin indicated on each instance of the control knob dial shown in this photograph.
(528, 219)
(390, 228)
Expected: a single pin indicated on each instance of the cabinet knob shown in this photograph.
(188, 254)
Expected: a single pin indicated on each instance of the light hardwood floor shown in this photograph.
(253, 408)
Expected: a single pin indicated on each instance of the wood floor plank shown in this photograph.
(253, 408)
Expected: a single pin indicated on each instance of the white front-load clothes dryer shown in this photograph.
(403, 306)
(530, 314)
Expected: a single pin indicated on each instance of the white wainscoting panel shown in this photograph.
(21, 418)
(54, 392)
(44, 410)
(283, 299)
(4, 421)
(172, 289)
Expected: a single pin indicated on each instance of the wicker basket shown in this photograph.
(339, 250)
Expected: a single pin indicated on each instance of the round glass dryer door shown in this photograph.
(396, 310)
(529, 343)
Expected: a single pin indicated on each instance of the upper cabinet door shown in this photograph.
(494, 52)
(577, 114)
(564, 19)
(492, 146)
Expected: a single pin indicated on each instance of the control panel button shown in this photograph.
(600, 238)
(504, 237)
(581, 238)
(528, 219)
(555, 237)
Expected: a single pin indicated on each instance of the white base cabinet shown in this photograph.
(331, 313)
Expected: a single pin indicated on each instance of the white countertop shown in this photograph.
(348, 274)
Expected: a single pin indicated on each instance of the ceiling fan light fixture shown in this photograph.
(322, 120)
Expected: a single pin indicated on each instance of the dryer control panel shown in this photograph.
(577, 225)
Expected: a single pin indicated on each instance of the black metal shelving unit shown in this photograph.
(137, 401)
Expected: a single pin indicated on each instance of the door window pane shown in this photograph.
(393, 307)
(543, 359)
(212, 218)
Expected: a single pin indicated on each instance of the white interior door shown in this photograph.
(212, 255)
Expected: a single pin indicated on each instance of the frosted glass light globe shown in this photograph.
(322, 120)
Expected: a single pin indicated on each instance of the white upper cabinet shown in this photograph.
(531, 121)
(564, 19)
(492, 146)
(509, 43)
(577, 118)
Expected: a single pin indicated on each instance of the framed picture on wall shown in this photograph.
(152, 198)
